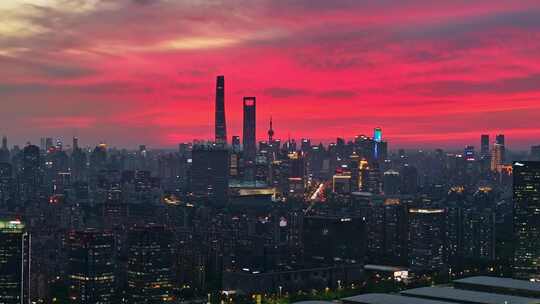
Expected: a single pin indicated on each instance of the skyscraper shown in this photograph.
(91, 266)
(497, 157)
(4, 151)
(527, 220)
(499, 140)
(149, 265)
(427, 238)
(210, 173)
(377, 138)
(14, 258)
(220, 123)
(31, 177)
(484, 146)
(250, 148)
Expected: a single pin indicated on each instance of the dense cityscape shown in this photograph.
(233, 220)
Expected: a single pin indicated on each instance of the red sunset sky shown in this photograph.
(430, 73)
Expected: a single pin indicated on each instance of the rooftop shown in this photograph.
(380, 298)
(501, 283)
(460, 296)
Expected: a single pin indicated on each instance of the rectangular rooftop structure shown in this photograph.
(380, 298)
(500, 285)
(466, 296)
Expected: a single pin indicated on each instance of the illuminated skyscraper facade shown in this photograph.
(149, 265)
(427, 250)
(91, 266)
(220, 123)
(527, 220)
(14, 262)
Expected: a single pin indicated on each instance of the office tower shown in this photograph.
(236, 146)
(14, 262)
(499, 140)
(527, 220)
(220, 123)
(484, 146)
(305, 145)
(75, 144)
(31, 177)
(377, 134)
(427, 250)
(497, 157)
(5, 156)
(409, 180)
(48, 143)
(210, 173)
(149, 265)
(91, 266)
(98, 157)
(250, 148)
(344, 238)
(535, 153)
(391, 182)
(469, 154)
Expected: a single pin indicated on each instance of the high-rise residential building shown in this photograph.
(478, 229)
(91, 266)
(527, 220)
(7, 185)
(427, 249)
(484, 146)
(344, 236)
(149, 265)
(14, 262)
(210, 173)
(248, 140)
(220, 123)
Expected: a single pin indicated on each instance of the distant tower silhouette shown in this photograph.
(248, 140)
(220, 123)
(270, 132)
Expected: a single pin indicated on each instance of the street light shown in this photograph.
(280, 289)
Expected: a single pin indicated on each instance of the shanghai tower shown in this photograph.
(221, 125)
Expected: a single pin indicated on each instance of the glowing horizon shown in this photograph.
(132, 72)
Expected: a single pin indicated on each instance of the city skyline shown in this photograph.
(430, 75)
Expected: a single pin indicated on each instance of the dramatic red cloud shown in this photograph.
(128, 72)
